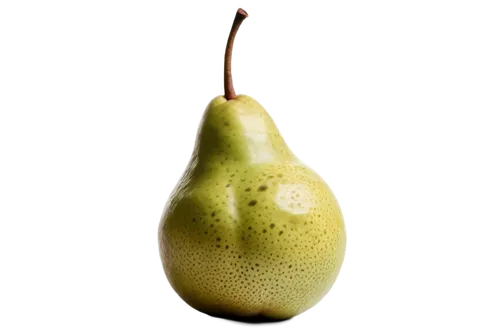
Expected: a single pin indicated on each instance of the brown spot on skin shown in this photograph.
(248, 189)
(252, 203)
(262, 188)
(272, 225)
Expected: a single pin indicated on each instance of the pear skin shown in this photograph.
(249, 230)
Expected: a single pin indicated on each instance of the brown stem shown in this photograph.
(228, 78)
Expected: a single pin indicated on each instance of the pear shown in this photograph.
(249, 230)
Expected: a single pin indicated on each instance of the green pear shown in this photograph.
(249, 230)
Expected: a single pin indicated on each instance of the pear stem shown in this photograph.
(228, 78)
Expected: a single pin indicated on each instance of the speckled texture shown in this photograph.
(249, 230)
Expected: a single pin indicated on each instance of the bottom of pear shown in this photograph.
(255, 319)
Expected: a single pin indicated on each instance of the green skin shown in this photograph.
(249, 230)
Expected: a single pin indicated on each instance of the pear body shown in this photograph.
(249, 230)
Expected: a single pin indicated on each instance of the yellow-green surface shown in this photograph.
(249, 229)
